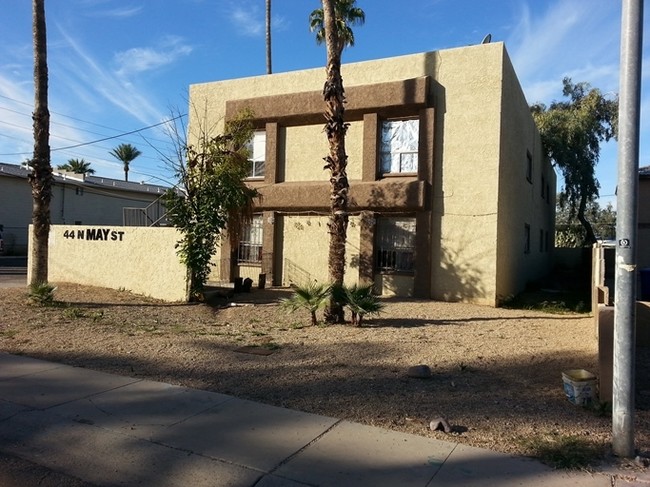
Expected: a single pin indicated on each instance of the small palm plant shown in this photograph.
(41, 294)
(361, 302)
(312, 297)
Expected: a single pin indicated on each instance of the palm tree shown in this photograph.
(311, 296)
(331, 24)
(77, 166)
(40, 177)
(268, 37)
(125, 153)
(347, 14)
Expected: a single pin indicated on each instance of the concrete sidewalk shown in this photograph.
(90, 428)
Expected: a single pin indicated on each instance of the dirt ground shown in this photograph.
(496, 372)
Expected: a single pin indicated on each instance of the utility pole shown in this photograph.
(626, 229)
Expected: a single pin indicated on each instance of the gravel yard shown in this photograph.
(496, 372)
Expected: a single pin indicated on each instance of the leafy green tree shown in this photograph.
(332, 25)
(125, 153)
(213, 195)
(40, 177)
(77, 166)
(569, 232)
(572, 132)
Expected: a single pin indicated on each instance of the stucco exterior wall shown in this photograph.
(466, 169)
(305, 245)
(304, 147)
(142, 260)
(522, 201)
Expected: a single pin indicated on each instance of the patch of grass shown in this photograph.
(270, 346)
(8, 333)
(564, 451)
(550, 302)
(74, 313)
(600, 409)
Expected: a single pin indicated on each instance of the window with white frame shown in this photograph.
(257, 154)
(250, 244)
(395, 249)
(399, 146)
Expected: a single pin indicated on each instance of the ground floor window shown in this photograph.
(395, 249)
(250, 244)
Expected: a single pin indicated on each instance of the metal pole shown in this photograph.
(626, 229)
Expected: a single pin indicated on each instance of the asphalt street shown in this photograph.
(13, 271)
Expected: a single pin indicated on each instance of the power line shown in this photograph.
(82, 144)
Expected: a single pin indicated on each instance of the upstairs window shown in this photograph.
(529, 166)
(257, 154)
(399, 146)
(395, 244)
(250, 244)
(526, 238)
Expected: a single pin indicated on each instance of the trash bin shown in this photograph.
(261, 283)
(645, 284)
(239, 284)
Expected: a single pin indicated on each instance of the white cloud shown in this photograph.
(118, 13)
(575, 38)
(140, 59)
(106, 84)
(249, 21)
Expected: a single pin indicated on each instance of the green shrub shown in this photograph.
(41, 294)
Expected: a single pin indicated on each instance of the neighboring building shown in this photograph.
(643, 253)
(76, 200)
(450, 196)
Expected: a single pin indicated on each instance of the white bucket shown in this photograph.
(579, 386)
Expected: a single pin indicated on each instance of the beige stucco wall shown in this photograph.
(142, 260)
(520, 200)
(305, 246)
(304, 147)
(465, 173)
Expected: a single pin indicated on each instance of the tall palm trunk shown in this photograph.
(336, 128)
(41, 174)
(268, 37)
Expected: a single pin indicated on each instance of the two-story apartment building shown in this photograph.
(450, 196)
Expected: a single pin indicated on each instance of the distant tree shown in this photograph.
(213, 194)
(269, 69)
(40, 176)
(331, 24)
(77, 166)
(125, 153)
(569, 232)
(571, 134)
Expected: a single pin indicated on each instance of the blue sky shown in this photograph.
(118, 66)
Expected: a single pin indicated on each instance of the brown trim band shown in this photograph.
(392, 99)
(386, 195)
